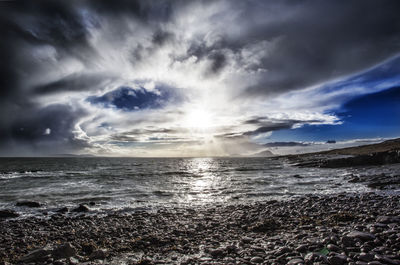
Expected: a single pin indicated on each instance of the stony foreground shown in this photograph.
(334, 229)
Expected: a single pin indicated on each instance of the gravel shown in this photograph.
(328, 229)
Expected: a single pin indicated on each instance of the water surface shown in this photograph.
(122, 183)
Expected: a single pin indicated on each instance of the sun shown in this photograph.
(198, 119)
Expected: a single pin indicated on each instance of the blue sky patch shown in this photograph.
(129, 99)
(368, 116)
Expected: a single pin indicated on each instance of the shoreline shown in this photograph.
(331, 229)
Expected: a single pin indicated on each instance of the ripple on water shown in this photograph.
(118, 182)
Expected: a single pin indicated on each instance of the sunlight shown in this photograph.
(199, 119)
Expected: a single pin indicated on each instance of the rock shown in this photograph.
(265, 225)
(88, 248)
(348, 241)
(60, 262)
(62, 210)
(311, 258)
(361, 235)
(81, 208)
(337, 259)
(247, 240)
(386, 260)
(365, 257)
(333, 247)
(388, 219)
(37, 255)
(256, 260)
(379, 158)
(231, 249)
(73, 261)
(295, 261)
(215, 253)
(64, 251)
(8, 214)
(302, 248)
(282, 250)
(31, 204)
(98, 254)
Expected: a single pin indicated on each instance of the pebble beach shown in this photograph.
(347, 228)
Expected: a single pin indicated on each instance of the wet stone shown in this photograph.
(282, 250)
(337, 260)
(8, 214)
(348, 241)
(366, 257)
(333, 247)
(295, 261)
(361, 235)
(37, 255)
(98, 254)
(247, 240)
(302, 248)
(388, 219)
(62, 210)
(64, 251)
(31, 204)
(81, 208)
(216, 253)
(256, 260)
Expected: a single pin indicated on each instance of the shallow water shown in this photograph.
(132, 183)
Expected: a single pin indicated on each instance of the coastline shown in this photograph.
(330, 229)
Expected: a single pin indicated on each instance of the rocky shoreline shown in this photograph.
(326, 229)
(373, 159)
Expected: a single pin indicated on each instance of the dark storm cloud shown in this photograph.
(269, 128)
(47, 130)
(25, 125)
(256, 120)
(140, 132)
(134, 135)
(319, 40)
(60, 119)
(123, 138)
(268, 121)
(218, 62)
(73, 82)
(230, 136)
(214, 54)
(265, 125)
(150, 11)
(63, 26)
(160, 37)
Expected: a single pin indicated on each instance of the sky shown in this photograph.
(197, 78)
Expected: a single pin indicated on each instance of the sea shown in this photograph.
(133, 184)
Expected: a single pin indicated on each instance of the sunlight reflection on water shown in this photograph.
(200, 187)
